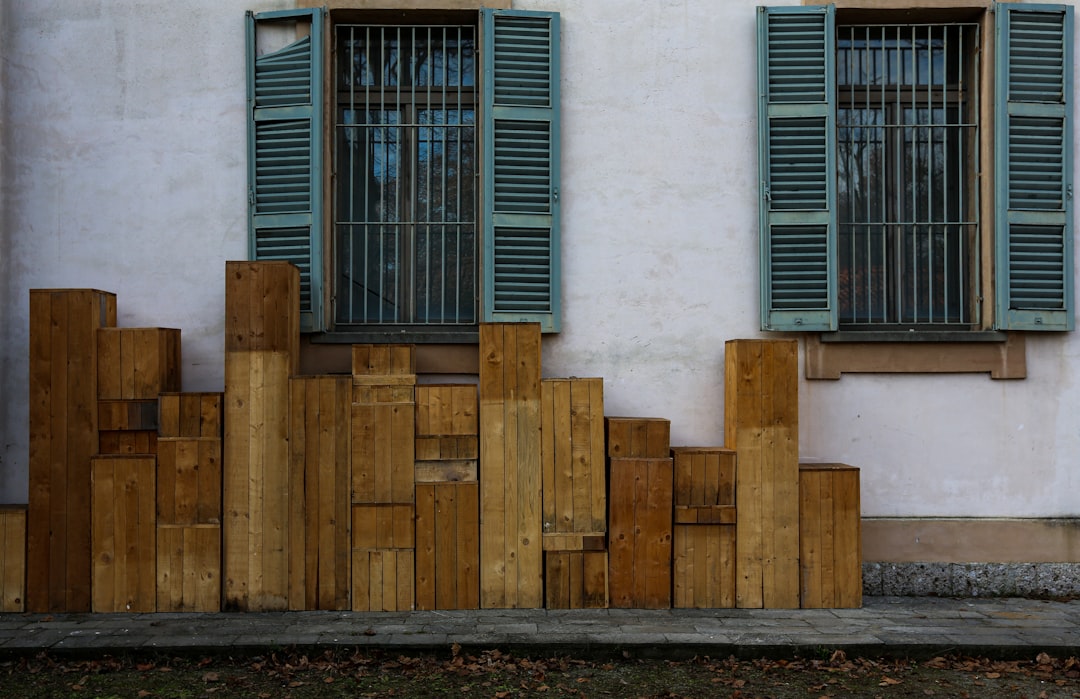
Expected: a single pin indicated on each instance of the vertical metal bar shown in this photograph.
(868, 204)
(442, 178)
(944, 167)
(914, 163)
(457, 208)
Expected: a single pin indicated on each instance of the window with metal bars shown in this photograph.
(406, 165)
(907, 158)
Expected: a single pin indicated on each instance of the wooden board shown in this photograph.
(447, 448)
(189, 568)
(189, 480)
(639, 533)
(383, 452)
(383, 580)
(123, 415)
(576, 579)
(137, 363)
(124, 534)
(63, 438)
(190, 414)
(578, 541)
(383, 526)
(319, 454)
(383, 360)
(12, 558)
(123, 442)
(262, 309)
(704, 566)
(446, 410)
(447, 546)
(256, 481)
(638, 437)
(761, 424)
(704, 476)
(574, 468)
(511, 553)
(705, 514)
(830, 537)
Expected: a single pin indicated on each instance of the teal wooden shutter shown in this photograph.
(1033, 168)
(285, 146)
(520, 167)
(797, 166)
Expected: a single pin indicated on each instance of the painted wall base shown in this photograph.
(1050, 580)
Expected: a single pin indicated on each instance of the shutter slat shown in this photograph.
(284, 169)
(1033, 146)
(795, 47)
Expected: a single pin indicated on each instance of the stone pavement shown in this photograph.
(884, 626)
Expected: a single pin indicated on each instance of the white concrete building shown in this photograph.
(124, 167)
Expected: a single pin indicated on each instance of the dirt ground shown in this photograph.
(492, 673)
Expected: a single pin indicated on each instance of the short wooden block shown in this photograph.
(704, 566)
(447, 546)
(639, 533)
(444, 410)
(190, 414)
(383, 393)
(511, 552)
(447, 448)
(449, 471)
(576, 579)
(383, 580)
(319, 454)
(12, 558)
(125, 443)
(574, 468)
(123, 415)
(262, 309)
(704, 514)
(761, 423)
(704, 476)
(638, 437)
(576, 542)
(189, 568)
(137, 363)
(189, 481)
(383, 526)
(63, 395)
(383, 360)
(124, 536)
(830, 536)
(257, 491)
(383, 453)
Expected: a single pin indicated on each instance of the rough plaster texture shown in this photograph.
(972, 579)
(123, 168)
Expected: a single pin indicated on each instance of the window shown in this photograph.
(420, 195)
(877, 213)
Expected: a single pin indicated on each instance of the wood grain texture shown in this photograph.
(189, 568)
(137, 363)
(124, 534)
(830, 555)
(640, 533)
(511, 553)
(12, 558)
(447, 546)
(574, 467)
(63, 438)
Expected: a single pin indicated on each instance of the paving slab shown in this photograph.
(883, 626)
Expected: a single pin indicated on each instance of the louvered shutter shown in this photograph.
(520, 167)
(796, 162)
(285, 152)
(1033, 151)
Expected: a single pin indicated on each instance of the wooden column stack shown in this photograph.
(12, 558)
(447, 497)
(704, 545)
(640, 506)
(262, 335)
(383, 479)
(189, 502)
(830, 536)
(761, 423)
(574, 506)
(63, 440)
(124, 527)
(511, 550)
(320, 456)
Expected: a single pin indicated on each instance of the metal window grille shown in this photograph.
(405, 164)
(907, 134)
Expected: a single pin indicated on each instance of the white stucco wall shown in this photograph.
(124, 169)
